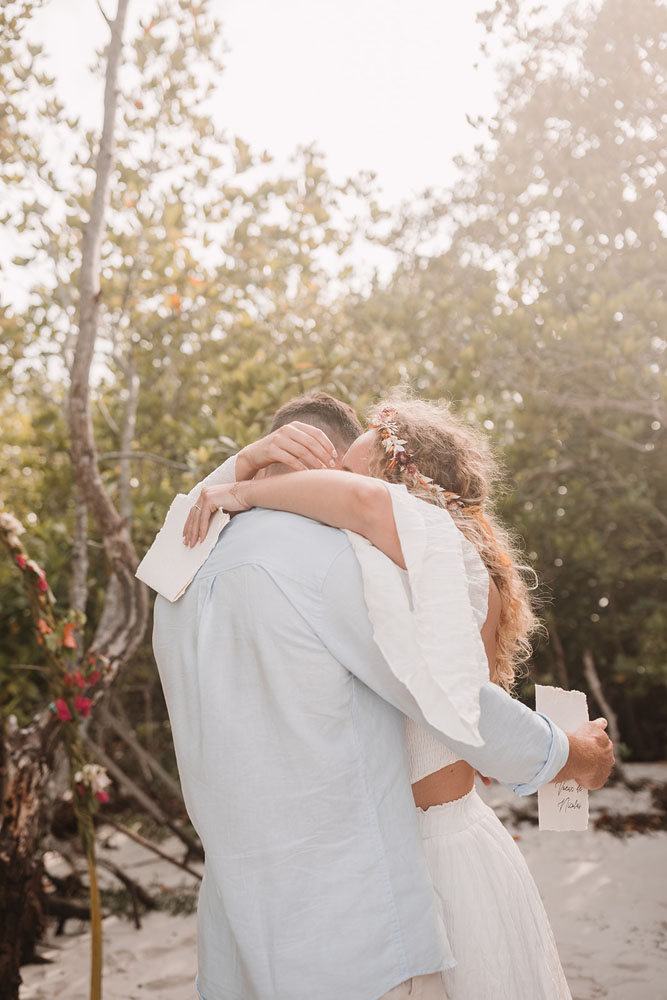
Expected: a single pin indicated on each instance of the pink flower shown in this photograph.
(94, 677)
(82, 705)
(62, 710)
(78, 679)
(21, 561)
(102, 796)
(42, 584)
(68, 680)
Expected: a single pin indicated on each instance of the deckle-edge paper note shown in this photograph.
(562, 805)
(169, 565)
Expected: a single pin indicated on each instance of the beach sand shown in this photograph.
(606, 897)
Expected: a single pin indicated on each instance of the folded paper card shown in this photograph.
(169, 565)
(562, 805)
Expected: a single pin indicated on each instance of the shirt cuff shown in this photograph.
(556, 760)
(225, 473)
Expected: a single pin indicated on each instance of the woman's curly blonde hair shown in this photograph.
(459, 459)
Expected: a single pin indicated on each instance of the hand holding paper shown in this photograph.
(169, 565)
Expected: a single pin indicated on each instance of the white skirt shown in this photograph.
(496, 922)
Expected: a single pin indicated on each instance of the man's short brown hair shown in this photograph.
(338, 420)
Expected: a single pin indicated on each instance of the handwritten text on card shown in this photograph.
(562, 805)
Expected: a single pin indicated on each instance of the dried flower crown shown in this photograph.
(394, 445)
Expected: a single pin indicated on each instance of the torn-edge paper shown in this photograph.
(169, 565)
(562, 805)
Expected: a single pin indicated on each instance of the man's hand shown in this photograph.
(297, 445)
(591, 755)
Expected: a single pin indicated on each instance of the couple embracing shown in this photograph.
(334, 674)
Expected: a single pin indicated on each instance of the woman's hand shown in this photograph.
(228, 496)
(297, 445)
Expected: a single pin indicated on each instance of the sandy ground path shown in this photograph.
(606, 897)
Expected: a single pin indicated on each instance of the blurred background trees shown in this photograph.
(545, 318)
(227, 288)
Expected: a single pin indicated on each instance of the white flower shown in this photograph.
(12, 526)
(94, 776)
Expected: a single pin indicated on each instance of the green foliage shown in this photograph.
(545, 319)
(227, 288)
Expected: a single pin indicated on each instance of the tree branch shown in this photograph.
(101, 10)
(141, 798)
(78, 591)
(595, 687)
(150, 846)
(127, 436)
(648, 408)
(628, 442)
(121, 727)
(145, 456)
(109, 420)
(559, 654)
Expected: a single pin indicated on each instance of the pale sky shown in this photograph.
(380, 85)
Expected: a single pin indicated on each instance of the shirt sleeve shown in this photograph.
(521, 748)
(225, 473)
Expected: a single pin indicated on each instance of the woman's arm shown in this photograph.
(340, 499)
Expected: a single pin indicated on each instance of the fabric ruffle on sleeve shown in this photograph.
(427, 621)
(478, 582)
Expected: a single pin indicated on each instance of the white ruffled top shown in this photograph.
(427, 622)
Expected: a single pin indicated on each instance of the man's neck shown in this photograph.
(277, 469)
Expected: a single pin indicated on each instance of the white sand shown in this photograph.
(605, 896)
(158, 961)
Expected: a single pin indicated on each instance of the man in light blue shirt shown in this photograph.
(288, 727)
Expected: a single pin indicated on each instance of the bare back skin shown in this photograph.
(457, 779)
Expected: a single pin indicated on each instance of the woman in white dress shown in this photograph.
(452, 609)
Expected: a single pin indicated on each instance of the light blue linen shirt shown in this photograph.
(289, 733)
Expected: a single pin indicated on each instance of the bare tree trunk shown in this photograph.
(26, 755)
(124, 630)
(593, 681)
(24, 771)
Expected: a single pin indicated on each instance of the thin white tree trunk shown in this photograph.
(126, 616)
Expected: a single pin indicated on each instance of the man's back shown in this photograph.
(294, 775)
